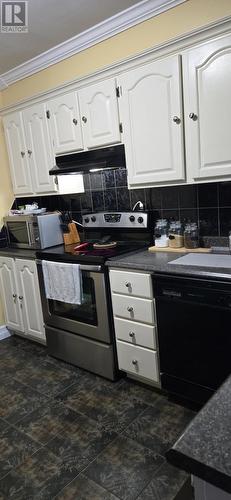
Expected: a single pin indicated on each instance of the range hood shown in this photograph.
(111, 157)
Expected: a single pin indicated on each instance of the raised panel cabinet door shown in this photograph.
(16, 146)
(9, 294)
(99, 114)
(39, 150)
(207, 84)
(151, 115)
(65, 124)
(30, 300)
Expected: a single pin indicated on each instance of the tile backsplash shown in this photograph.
(207, 204)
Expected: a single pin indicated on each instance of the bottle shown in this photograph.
(175, 235)
(191, 235)
(161, 233)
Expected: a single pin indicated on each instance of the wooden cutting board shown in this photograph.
(180, 250)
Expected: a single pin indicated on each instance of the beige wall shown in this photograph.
(185, 17)
(190, 15)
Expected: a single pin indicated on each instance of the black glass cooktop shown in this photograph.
(89, 254)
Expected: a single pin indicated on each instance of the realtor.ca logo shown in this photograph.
(14, 17)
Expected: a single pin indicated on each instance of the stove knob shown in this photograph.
(132, 218)
(140, 220)
(93, 218)
(86, 220)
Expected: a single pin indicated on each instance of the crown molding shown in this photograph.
(116, 24)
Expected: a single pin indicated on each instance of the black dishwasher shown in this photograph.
(194, 333)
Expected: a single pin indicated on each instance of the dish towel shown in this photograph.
(63, 282)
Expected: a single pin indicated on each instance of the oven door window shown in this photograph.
(18, 232)
(84, 313)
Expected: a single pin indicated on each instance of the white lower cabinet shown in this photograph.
(138, 361)
(21, 297)
(135, 325)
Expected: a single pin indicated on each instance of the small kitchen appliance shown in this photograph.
(33, 231)
(84, 334)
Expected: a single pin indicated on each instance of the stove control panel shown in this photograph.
(123, 220)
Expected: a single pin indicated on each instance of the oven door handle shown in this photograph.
(92, 269)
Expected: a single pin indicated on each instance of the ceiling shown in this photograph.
(52, 22)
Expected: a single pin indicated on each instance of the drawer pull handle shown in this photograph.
(127, 284)
(129, 309)
(134, 362)
(131, 334)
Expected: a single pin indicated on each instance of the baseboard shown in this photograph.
(4, 332)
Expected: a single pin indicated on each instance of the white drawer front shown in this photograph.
(133, 308)
(139, 284)
(138, 360)
(135, 333)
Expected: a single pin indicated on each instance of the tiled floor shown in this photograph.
(70, 435)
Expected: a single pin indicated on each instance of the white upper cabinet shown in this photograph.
(207, 92)
(39, 149)
(29, 298)
(99, 114)
(64, 123)
(17, 152)
(151, 115)
(9, 294)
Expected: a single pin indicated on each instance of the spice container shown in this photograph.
(161, 233)
(191, 235)
(175, 235)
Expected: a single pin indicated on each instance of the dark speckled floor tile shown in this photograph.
(3, 426)
(14, 448)
(129, 389)
(124, 468)
(158, 427)
(83, 488)
(81, 441)
(165, 484)
(47, 421)
(166, 419)
(103, 403)
(45, 377)
(40, 476)
(17, 400)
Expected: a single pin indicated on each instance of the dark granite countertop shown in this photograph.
(21, 253)
(204, 449)
(158, 263)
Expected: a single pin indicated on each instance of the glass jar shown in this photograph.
(161, 233)
(175, 235)
(191, 235)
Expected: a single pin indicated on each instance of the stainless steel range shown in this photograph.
(83, 334)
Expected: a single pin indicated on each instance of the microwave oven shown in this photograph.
(33, 231)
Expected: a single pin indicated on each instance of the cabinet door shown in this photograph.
(99, 114)
(30, 301)
(207, 84)
(151, 115)
(64, 124)
(9, 294)
(16, 146)
(39, 149)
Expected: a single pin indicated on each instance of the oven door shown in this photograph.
(18, 234)
(89, 319)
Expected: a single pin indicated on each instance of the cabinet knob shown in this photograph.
(131, 334)
(22, 154)
(84, 119)
(29, 152)
(134, 362)
(176, 119)
(20, 297)
(127, 284)
(14, 295)
(129, 309)
(75, 121)
(193, 116)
